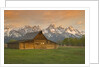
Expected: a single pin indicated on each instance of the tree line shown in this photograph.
(73, 41)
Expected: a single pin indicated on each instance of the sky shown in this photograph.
(43, 18)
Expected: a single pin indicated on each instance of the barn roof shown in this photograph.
(32, 36)
(29, 36)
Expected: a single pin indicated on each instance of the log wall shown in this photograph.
(13, 45)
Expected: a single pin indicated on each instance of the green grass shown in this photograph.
(62, 55)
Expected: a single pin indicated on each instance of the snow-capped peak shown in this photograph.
(73, 31)
(60, 27)
(71, 28)
(27, 26)
(52, 26)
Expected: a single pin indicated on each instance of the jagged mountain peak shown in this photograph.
(71, 28)
(61, 27)
(36, 26)
(27, 26)
(52, 25)
(32, 28)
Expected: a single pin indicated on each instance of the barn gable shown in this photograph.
(40, 36)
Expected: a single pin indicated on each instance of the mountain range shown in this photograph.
(51, 32)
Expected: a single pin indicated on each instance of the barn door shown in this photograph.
(22, 46)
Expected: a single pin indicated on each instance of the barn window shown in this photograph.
(42, 43)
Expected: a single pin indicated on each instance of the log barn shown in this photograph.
(38, 42)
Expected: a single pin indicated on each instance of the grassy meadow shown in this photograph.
(62, 55)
